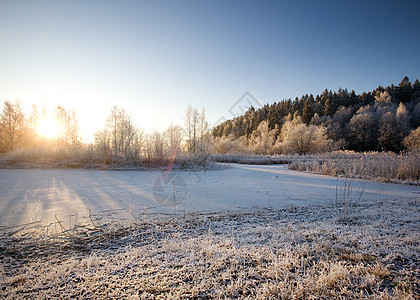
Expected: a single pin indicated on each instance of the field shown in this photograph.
(238, 231)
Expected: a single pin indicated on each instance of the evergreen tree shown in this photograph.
(328, 107)
(308, 110)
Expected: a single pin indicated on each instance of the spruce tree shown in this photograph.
(308, 110)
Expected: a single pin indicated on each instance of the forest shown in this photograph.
(386, 119)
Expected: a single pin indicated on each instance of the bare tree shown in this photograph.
(197, 131)
(155, 149)
(204, 134)
(68, 124)
(124, 138)
(192, 119)
(102, 146)
(173, 137)
(12, 125)
(34, 117)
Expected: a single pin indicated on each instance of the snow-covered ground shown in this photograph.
(38, 197)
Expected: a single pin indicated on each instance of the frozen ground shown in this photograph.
(272, 234)
(39, 198)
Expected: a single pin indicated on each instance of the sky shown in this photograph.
(153, 58)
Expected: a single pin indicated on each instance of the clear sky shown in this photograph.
(154, 57)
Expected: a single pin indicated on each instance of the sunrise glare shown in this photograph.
(48, 128)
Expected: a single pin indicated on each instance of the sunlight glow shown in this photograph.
(48, 128)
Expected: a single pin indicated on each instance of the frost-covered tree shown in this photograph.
(230, 145)
(124, 138)
(12, 123)
(197, 132)
(192, 121)
(262, 139)
(173, 137)
(412, 141)
(403, 121)
(364, 130)
(383, 98)
(68, 124)
(297, 137)
(102, 145)
(156, 151)
(388, 134)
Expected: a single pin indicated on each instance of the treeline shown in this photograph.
(56, 137)
(120, 141)
(385, 119)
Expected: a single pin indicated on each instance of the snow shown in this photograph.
(39, 197)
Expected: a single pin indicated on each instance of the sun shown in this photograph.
(48, 128)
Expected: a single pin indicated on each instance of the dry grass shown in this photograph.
(378, 166)
(83, 156)
(252, 159)
(296, 253)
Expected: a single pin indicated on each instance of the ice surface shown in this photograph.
(40, 197)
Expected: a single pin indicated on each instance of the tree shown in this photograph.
(12, 125)
(363, 129)
(403, 121)
(412, 141)
(192, 119)
(124, 138)
(204, 135)
(34, 117)
(328, 107)
(302, 139)
(415, 115)
(383, 98)
(228, 144)
(263, 139)
(405, 82)
(155, 149)
(69, 126)
(173, 137)
(308, 110)
(102, 144)
(197, 131)
(337, 128)
(388, 136)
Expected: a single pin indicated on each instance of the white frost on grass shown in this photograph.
(293, 253)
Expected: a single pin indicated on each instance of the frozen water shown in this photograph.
(40, 197)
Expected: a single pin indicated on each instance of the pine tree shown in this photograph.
(308, 110)
(328, 107)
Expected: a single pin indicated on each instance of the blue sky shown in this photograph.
(155, 57)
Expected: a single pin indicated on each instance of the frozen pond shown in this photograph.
(40, 197)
